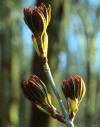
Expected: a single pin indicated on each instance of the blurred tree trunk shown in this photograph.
(92, 83)
(56, 34)
(10, 66)
(5, 77)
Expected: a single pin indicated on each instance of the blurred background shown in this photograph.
(74, 48)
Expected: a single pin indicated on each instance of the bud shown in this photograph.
(35, 90)
(74, 90)
(37, 19)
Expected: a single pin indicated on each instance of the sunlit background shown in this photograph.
(74, 48)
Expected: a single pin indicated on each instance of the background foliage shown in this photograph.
(74, 48)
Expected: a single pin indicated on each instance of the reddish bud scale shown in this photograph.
(68, 88)
(37, 22)
(43, 60)
(25, 90)
(77, 80)
(56, 115)
(41, 51)
(33, 37)
(71, 115)
(43, 9)
(51, 111)
(60, 117)
(28, 17)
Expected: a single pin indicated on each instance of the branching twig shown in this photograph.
(69, 123)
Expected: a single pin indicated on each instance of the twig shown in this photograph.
(46, 67)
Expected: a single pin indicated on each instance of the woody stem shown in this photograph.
(46, 67)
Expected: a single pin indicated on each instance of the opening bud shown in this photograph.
(74, 90)
(35, 90)
(37, 19)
